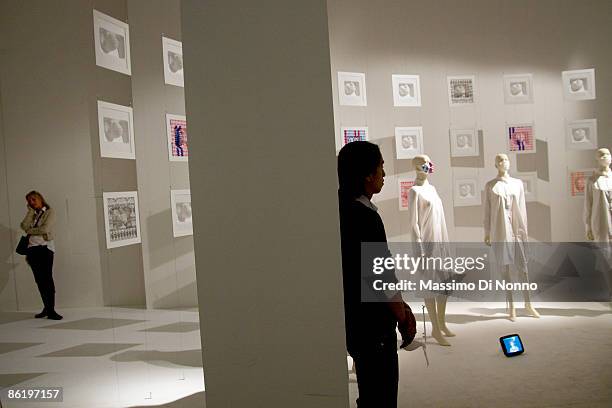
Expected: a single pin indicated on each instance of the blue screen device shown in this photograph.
(512, 345)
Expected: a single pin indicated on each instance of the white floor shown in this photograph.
(114, 357)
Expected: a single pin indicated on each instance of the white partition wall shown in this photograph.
(263, 186)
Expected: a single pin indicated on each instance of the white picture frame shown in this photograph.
(461, 90)
(406, 90)
(177, 138)
(530, 185)
(403, 187)
(408, 142)
(352, 134)
(112, 43)
(116, 131)
(352, 89)
(579, 85)
(182, 219)
(464, 142)
(581, 134)
(173, 62)
(520, 138)
(121, 218)
(518, 88)
(466, 190)
(577, 179)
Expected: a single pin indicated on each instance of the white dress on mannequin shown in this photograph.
(597, 206)
(427, 227)
(505, 220)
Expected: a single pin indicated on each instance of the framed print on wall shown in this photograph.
(521, 138)
(406, 90)
(404, 186)
(112, 43)
(461, 90)
(182, 223)
(518, 88)
(408, 142)
(116, 131)
(176, 134)
(121, 218)
(464, 142)
(466, 191)
(353, 134)
(579, 85)
(577, 179)
(581, 134)
(173, 62)
(352, 89)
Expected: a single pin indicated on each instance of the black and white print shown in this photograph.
(461, 90)
(518, 88)
(173, 62)
(464, 142)
(408, 142)
(466, 191)
(116, 131)
(581, 134)
(121, 218)
(182, 223)
(406, 90)
(579, 85)
(112, 43)
(352, 89)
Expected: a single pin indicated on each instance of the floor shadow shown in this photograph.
(188, 358)
(90, 350)
(8, 347)
(93, 323)
(178, 327)
(196, 400)
(550, 312)
(11, 317)
(9, 380)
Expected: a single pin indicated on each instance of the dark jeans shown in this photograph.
(377, 375)
(40, 259)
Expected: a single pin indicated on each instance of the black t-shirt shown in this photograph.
(367, 323)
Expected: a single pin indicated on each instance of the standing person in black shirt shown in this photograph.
(370, 326)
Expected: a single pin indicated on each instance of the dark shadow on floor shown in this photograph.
(10, 317)
(196, 400)
(93, 323)
(549, 312)
(188, 358)
(8, 347)
(8, 380)
(90, 350)
(178, 327)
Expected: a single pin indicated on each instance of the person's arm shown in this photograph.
(45, 225)
(588, 208)
(27, 220)
(487, 215)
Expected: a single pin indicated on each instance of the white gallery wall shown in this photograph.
(49, 89)
(487, 39)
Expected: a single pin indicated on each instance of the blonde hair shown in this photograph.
(40, 196)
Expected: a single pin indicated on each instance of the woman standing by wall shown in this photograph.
(38, 225)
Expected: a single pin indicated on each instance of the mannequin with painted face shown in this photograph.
(427, 227)
(505, 224)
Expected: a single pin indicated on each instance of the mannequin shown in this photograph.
(505, 224)
(428, 229)
(598, 208)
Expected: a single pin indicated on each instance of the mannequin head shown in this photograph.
(360, 170)
(502, 162)
(603, 157)
(423, 165)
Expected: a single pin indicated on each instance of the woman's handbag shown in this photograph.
(22, 246)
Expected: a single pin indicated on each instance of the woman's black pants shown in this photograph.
(40, 259)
